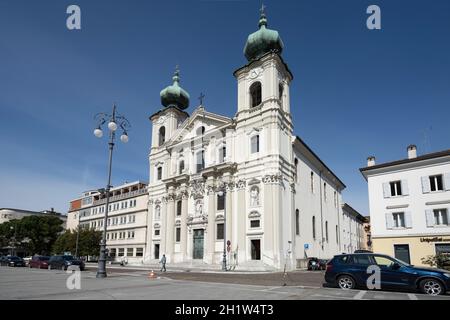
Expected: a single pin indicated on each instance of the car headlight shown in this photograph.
(447, 275)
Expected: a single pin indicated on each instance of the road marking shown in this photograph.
(412, 296)
(359, 295)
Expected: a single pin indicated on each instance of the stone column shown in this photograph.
(211, 234)
(267, 248)
(163, 232)
(184, 231)
(170, 224)
(149, 243)
(229, 213)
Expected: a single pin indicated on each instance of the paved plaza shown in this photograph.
(24, 283)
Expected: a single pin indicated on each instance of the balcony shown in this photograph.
(123, 196)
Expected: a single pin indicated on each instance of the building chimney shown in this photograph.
(412, 151)
(370, 161)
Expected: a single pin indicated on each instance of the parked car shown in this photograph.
(40, 262)
(12, 261)
(316, 264)
(363, 251)
(63, 262)
(349, 271)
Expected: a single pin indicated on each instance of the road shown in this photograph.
(24, 283)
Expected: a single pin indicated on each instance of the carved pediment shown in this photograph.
(254, 214)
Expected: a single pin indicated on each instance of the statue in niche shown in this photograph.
(157, 213)
(254, 197)
(198, 208)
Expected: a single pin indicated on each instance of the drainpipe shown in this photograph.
(339, 223)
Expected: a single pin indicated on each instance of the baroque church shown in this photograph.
(245, 187)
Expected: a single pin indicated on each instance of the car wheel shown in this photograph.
(431, 287)
(346, 282)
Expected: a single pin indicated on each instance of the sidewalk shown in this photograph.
(179, 268)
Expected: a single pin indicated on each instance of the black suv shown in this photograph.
(12, 261)
(63, 262)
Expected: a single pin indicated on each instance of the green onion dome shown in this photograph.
(262, 41)
(175, 95)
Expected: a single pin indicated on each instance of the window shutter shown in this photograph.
(426, 188)
(408, 219)
(405, 190)
(430, 218)
(389, 221)
(447, 181)
(386, 190)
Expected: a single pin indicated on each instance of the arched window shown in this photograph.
(200, 130)
(255, 94)
(159, 173)
(314, 227)
(297, 222)
(162, 135)
(296, 170)
(181, 167)
(200, 161)
(280, 92)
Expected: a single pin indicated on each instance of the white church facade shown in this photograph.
(248, 181)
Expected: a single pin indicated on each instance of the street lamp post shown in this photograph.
(115, 121)
(78, 235)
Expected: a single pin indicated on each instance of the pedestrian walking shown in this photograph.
(163, 263)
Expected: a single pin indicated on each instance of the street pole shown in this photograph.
(78, 236)
(115, 121)
(101, 272)
(224, 263)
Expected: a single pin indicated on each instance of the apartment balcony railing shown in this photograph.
(123, 196)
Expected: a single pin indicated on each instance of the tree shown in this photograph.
(88, 242)
(34, 234)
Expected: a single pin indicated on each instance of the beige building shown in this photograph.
(247, 182)
(127, 219)
(409, 205)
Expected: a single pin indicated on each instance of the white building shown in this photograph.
(8, 214)
(409, 205)
(353, 232)
(281, 204)
(127, 219)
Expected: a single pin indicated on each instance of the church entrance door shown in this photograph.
(199, 235)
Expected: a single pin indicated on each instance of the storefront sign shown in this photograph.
(435, 239)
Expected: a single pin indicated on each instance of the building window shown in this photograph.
(297, 222)
(200, 130)
(219, 233)
(255, 94)
(139, 252)
(112, 252)
(255, 223)
(325, 192)
(220, 202)
(130, 252)
(157, 232)
(312, 182)
(200, 161)
(179, 207)
(436, 183)
(440, 217)
(399, 219)
(159, 173)
(162, 136)
(335, 199)
(314, 227)
(296, 170)
(181, 167)
(326, 230)
(255, 144)
(396, 188)
(121, 252)
(177, 234)
(222, 154)
(280, 92)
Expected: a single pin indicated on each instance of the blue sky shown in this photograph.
(355, 92)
